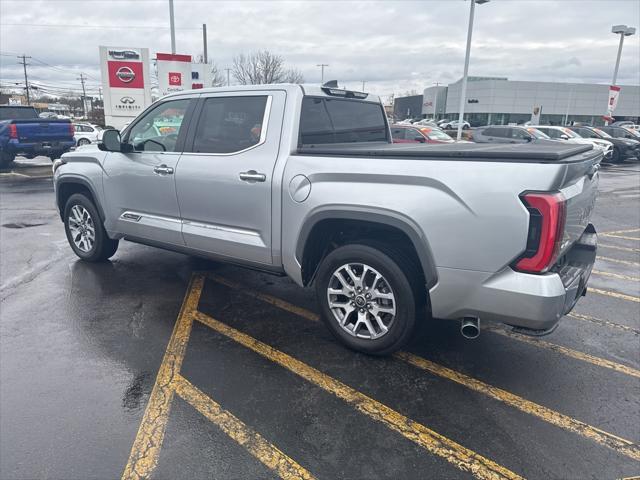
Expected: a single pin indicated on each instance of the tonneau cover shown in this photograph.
(538, 151)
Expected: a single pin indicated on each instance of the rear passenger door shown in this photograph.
(225, 175)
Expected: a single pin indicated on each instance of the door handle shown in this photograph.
(163, 170)
(252, 176)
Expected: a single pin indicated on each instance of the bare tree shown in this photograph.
(263, 67)
(217, 78)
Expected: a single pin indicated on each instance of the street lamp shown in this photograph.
(623, 31)
(463, 90)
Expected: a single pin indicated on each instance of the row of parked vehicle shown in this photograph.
(618, 143)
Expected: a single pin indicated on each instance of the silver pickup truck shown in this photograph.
(304, 181)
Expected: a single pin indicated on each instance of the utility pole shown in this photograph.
(228, 77)
(204, 41)
(322, 65)
(84, 94)
(173, 28)
(26, 81)
(363, 82)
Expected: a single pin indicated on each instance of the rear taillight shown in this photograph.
(547, 214)
(13, 131)
(72, 130)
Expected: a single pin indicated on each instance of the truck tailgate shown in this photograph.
(580, 193)
(34, 131)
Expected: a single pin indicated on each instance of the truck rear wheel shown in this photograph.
(6, 159)
(367, 297)
(85, 232)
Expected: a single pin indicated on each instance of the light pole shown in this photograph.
(463, 89)
(322, 65)
(623, 31)
(173, 28)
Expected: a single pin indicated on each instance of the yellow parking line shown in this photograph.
(260, 448)
(624, 237)
(143, 458)
(620, 276)
(621, 296)
(558, 419)
(616, 260)
(463, 458)
(585, 357)
(605, 323)
(569, 352)
(616, 247)
(615, 232)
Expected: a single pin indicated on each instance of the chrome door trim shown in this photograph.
(212, 226)
(131, 216)
(263, 132)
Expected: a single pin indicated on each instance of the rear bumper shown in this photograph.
(40, 148)
(532, 303)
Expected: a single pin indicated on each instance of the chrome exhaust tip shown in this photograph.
(470, 327)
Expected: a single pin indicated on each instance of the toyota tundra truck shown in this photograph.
(305, 181)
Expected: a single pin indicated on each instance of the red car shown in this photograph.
(409, 134)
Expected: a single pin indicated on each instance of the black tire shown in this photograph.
(83, 141)
(615, 156)
(6, 159)
(103, 247)
(403, 281)
(465, 127)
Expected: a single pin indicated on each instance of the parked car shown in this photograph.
(86, 133)
(507, 134)
(452, 125)
(623, 148)
(425, 123)
(23, 132)
(566, 134)
(306, 182)
(412, 134)
(621, 132)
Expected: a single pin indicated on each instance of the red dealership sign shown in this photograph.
(125, 74)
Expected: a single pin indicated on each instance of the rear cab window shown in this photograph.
(332, 120)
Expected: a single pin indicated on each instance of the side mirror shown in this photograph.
(111, 141)
(564, 137)
(528, 139)
(420, 139)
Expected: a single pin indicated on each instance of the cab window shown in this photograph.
(158, 130)
(230, 124)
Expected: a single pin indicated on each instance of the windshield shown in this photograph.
(570, 133)
(633, 132)
(436, 134)
(538, 134)
(602, 133)
(17, 113)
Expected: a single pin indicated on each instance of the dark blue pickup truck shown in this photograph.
(22, 132)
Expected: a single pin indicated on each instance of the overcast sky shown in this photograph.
(395, 46)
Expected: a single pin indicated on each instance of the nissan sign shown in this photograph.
(125, 74)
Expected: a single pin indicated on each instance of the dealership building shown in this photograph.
(500, 101)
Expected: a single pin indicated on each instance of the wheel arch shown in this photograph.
(323, 230)
(69, 185)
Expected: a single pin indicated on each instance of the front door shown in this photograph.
(140, 187)
(225, 176)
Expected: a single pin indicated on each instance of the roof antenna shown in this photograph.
(331, 84)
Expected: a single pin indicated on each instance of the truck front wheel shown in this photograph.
(367, 298)
(85, 232)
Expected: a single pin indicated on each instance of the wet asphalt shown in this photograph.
(81, 346)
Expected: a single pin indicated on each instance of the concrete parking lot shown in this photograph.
(160, 365)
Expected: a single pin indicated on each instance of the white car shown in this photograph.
(567, 135)
(86, 133)
(453, 124)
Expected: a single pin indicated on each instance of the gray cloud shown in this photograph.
(395, 46)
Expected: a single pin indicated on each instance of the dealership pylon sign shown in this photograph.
(126, 83)
(174, 73)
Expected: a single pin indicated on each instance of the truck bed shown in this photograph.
(535, 152)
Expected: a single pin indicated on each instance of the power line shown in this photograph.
(119, 27)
